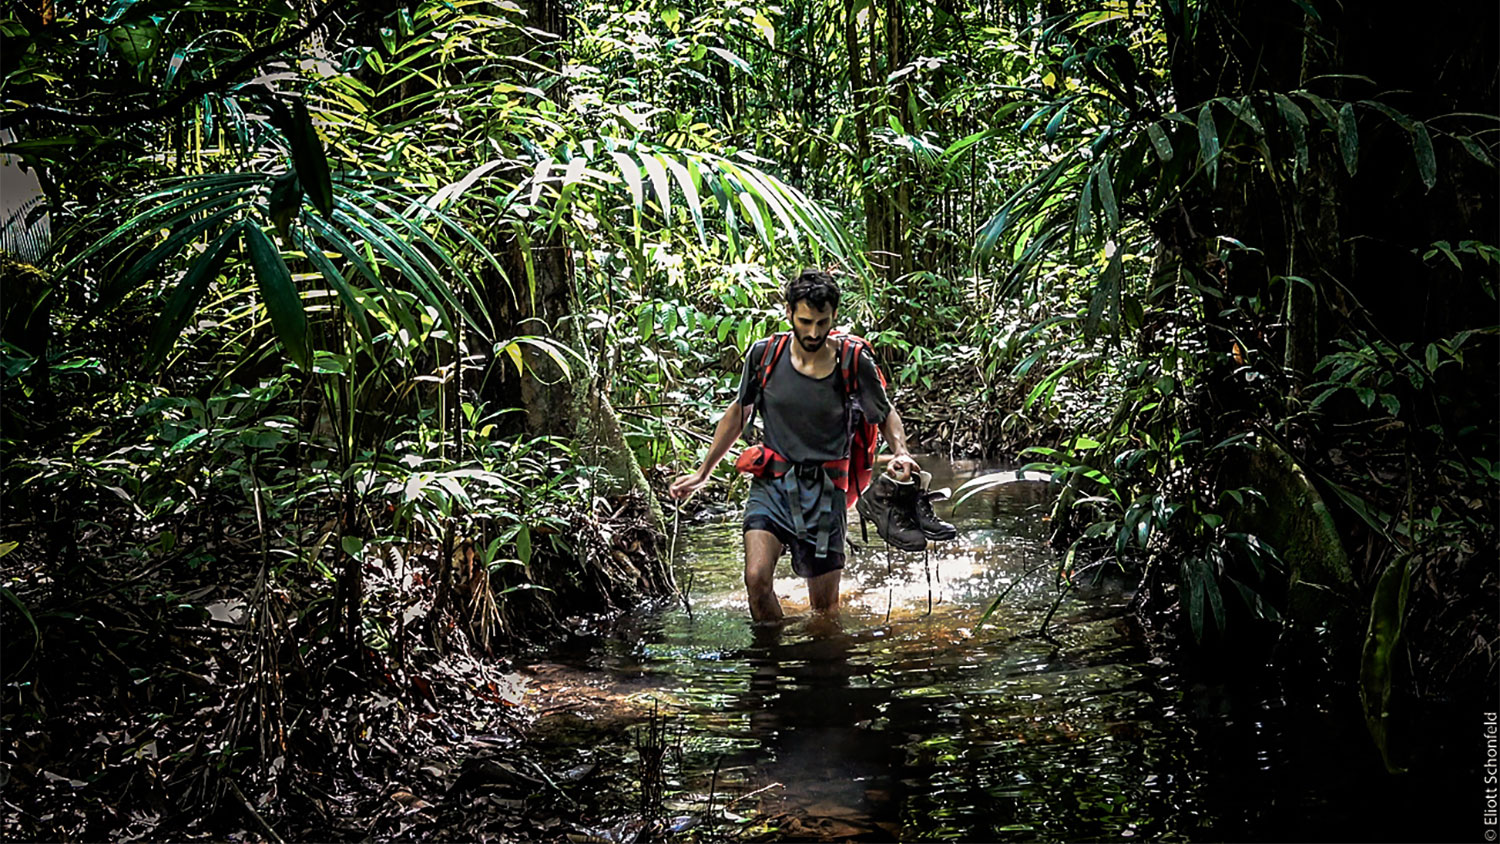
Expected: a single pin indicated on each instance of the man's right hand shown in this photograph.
(687, 485)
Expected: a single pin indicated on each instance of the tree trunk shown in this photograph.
(868, 200)
(573, 405)
(897, 103)
(1316, 251)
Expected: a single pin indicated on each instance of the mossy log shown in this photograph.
(1293, 518)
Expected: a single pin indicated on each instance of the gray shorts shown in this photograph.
(805, 561)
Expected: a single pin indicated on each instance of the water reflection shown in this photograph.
(811, 712)
(904, 719)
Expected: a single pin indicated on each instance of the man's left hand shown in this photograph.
(902, 466)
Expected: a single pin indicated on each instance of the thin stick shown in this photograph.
(555, 787)
(927, 567)
(1013, 584)
(672, 549)
(713, 785)
(1061, 593)
(730, 804)
(254, 814)
(676, 524)
(687, 603)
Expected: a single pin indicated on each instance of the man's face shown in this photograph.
(811, 325)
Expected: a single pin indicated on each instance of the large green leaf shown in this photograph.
(763, 188)
(631, 172)
(1106, 298)
(185, 199)
(1476, 149)
(1106, 189)
(137, 41)
(1245, 111)
(441, 281)
(1296, 122)
(285, 202)
(308, 156)
(1086, 204)
(1426, 161)
(1208, 143)
(1348, 138)
(279, 294)
(1159, 141)
(418, 211)
(1380, 657)
(689, 188)
(1193, 582)
(337, 281)
(184, 299)
(352, 253)
(659, 182)
(1037, 189)
(133, 277)
(754, 210)
(957, 147)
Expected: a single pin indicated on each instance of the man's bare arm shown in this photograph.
(725, 433)
(894, 432)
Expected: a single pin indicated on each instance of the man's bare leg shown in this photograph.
(823, 592)
(762, 550)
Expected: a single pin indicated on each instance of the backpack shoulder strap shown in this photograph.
(770, 354)
(851, 348)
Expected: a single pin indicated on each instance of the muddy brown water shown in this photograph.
(906, 719)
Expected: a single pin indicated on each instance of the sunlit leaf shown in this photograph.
(1106, 190)
(337, 281)
(1159, 141)
(734, 60)
(631, 173)
(690, 192)
(659, 181)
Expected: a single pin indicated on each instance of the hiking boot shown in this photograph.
(891, 506)
(932, 527)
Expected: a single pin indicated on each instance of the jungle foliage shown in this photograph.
(351, 310)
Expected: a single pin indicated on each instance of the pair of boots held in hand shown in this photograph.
(902, 512)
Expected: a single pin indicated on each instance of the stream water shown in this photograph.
(906, 719)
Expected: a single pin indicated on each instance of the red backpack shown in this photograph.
(761, 460)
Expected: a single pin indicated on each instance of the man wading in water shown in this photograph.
(799, 384)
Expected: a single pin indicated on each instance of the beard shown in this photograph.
(813, 343)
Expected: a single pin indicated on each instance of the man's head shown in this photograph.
(812, 299)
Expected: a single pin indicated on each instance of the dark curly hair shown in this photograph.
(815, 287)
